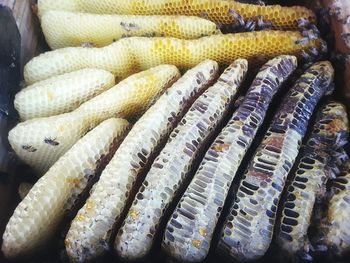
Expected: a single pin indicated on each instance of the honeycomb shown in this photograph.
(254, 46)
(61, 94)
(133, 54)
(128, 99)
(214, 10)
(248, 228)
(337, 237)
(200, 206)
(317, 158)
(89, 236)
(171, 168)
(63, 29)
(114, 58)
(38, 216)
(132, 96)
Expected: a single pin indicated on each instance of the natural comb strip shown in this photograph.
(248, 229)
(317, 158)
(61, 94)
(171, 169)
(89, 234)
(64, 29)
(337, 237)
(214, 10)
(40, 142)
(191, 226)
(38, 216)
(129, 55)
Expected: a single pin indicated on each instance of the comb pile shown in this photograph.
(203, 129)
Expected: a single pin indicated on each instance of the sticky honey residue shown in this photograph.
(336, 125)
(50, 96)
(297, 194)
(221, 147)
(226, 98)
(71, 180)
(89, 204)
(196, 243)
(61, 128)
(134, 214)
(67, 243)
(203, 232)
(275, 141)
(80, 217)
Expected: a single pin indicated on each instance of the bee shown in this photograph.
(129, 26)
(263, 24)
(29, 148)
(303, 41)
(52, 142)
(87, 44)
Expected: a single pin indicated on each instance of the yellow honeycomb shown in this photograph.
(214, 10)
(40, 142)
(133, 54)
(62, 29)
(61, 94)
